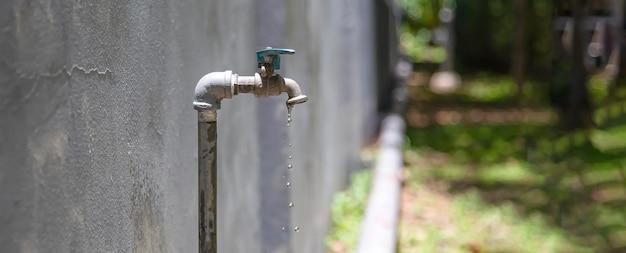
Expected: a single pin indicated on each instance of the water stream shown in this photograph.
(289, 170)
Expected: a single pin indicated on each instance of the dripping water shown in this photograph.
(290, 204)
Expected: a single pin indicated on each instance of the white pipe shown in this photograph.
(379, 228)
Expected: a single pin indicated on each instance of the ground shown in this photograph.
(488, 171)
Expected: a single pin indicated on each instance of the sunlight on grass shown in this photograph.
(437, 221)
(502, 229)
(509, 172)
(506, 188)
(598, 88)
(610, 139)
(569, 187)
(464, 223)
(489, 89)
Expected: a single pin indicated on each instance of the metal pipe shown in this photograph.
(207, 181)
(209, 93)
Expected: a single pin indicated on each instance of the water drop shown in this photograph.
(296, 228)
(290, 204)
(283, 229)
(289, 166)
(290, 157)
(288, 184)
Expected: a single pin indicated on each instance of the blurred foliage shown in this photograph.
(471, 225)
(517, 187)
(490, 88)
(484, 32)
(484, 88)
(418, 29)
(418, 47)
(598, 89)
(465, 222)
(479, 144)
(576, 180)
(488, 29)
(513, 233)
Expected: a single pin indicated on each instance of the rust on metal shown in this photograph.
(207, 182)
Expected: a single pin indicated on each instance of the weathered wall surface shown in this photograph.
(98, 136)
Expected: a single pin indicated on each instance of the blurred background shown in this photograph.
(512, 117)
(516, 132)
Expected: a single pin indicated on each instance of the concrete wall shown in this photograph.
(98, 136)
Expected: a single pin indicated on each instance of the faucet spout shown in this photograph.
(293, 92)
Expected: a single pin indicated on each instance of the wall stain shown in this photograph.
(149, 236)
(149, 233)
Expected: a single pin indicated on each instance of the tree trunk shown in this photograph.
(578, 112)
(518, 65)
(569, 91)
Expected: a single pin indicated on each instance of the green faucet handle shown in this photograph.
(271, 56)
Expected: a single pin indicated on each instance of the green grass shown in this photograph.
(487, 89)
(573, 181)
(477, 144)
(476, 226)
(464, 222)
(503, 229)
(504, 188)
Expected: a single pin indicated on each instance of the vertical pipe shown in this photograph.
(207, 181)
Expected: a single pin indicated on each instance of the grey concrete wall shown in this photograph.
(98, 136)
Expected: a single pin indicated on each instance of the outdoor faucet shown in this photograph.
(209, 92)
(215, 86)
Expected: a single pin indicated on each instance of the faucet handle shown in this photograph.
(271, 56)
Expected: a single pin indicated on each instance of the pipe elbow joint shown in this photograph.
(212, 88)
(293, 92)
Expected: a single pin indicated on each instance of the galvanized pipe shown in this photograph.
(207, 181)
